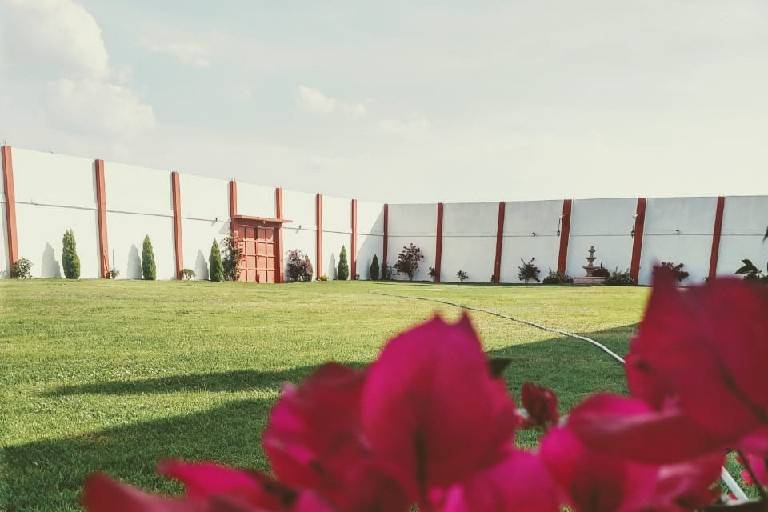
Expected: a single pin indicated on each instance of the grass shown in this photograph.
(114, 375)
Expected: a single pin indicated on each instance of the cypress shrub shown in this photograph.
(342, 273)
(148, 269)
(216, 273)
(69, 258)
(373, 272)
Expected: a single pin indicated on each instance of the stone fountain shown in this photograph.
(595, 274)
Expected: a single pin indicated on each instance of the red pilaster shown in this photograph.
(279, 214)
(101, 216)
(439, 242)
(10, 206)
(565, 234)
(637, 243)
(499, 242)
(232, 207)
(319, 238)
(717, 232)
(353, 241)
(385, 241)
(178, 248)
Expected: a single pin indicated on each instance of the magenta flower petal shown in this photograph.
(519, 483)
(102, 494)
(431, 408)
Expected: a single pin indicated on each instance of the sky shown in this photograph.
(401, 101)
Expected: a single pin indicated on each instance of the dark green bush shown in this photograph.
(216, 272)
(70, 261)
(619, 278)
(148, 268)
(557, 278)
(408, 261)
(528, 271)
(677, 270)
(751, 273)
(299, 267)
(21, 269)
(231, 260)
(373, 271)
(342, 270)
(463, 276)
(187, 274)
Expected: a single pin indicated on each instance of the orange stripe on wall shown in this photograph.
(637, 243)
(101, 216)
(439, 242)
(319, 237)
(565, 234)
(279, 277)
(10, 206)
(353, 241)
(177, 246)
(716, 234)
(499, 242)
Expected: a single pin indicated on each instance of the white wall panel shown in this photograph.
(530, 231)
(126, 235)
(137, 189)
(606, 224)
(255, 200)
(678, 230)
(196, 239)
(204, 198)
(370, 239)
(55, 193)
(337, 214)
(300, 233)
(40, 230)
(469, 240)
(745, 220)
(416, 224)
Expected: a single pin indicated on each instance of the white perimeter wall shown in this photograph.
(300, 233)
(678, 230)
(370, 235)
(204, 217)
(530, 231)
(337, 232)
(55, 193)
(255, 200)
(745, 221)
(607, 224)
(139, 203)
(469, 240)
(417, 224)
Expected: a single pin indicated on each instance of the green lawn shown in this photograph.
(115, 375)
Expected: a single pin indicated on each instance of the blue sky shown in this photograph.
(401, 101)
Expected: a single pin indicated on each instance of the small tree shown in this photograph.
(463, 276)
(677, 270)
(342, 271)
(231, 260)
(299, 267)
(373, 272)
(216, 272)
(528, 271)
(408, 261)
(70, 261)
(148, 268)
(21, 269)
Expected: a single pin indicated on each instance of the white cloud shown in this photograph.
(316, 102)
(120, 112)
(187, 52)
(410, 128)
(54, 38)
(55, 48)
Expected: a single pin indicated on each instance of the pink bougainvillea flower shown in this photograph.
(520, 483)
(706, 349)
(432, 410)
(209, 488)
(599, 481)
(541, 405)
(314, 440)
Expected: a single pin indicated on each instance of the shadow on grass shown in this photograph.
(48, 475)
